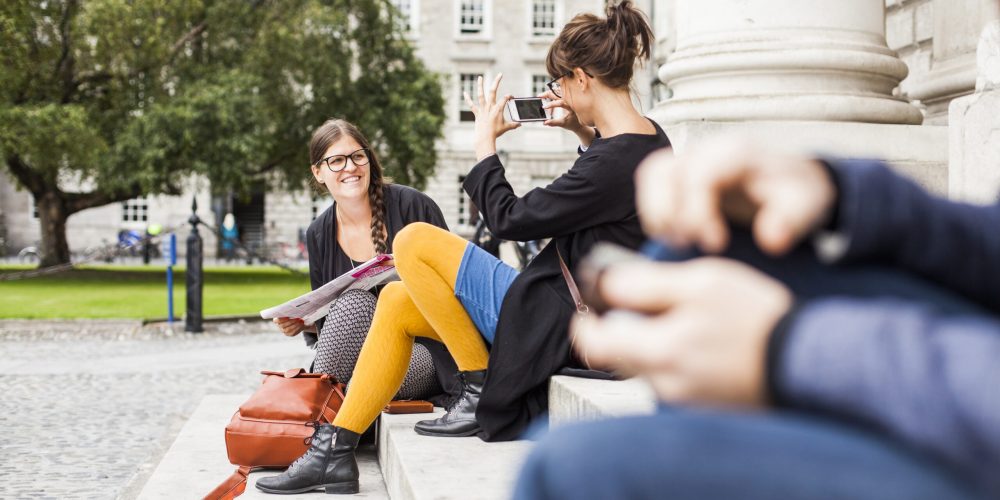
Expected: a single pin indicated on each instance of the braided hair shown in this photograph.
(332, 131)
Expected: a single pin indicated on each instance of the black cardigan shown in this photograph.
(327, 260)
(594, 201)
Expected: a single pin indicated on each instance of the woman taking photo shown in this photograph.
(454, 291)
(363, 221)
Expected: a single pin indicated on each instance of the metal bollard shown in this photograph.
(194, 275)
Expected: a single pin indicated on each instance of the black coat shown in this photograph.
(327, 260)
(594, 201)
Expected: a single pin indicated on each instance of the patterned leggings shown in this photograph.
(344, 333)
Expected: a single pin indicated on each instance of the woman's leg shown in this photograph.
(693, 454)
(343, 335)
(428, 259)
(384, 358)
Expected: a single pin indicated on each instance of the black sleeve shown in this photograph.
(589, 194)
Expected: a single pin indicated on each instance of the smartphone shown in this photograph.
(526, 109)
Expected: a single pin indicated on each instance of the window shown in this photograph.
(467, 85)
(543, 17)
(538, 84)
(408, 10)
(471, 17)
(34, 206)
(135, 210)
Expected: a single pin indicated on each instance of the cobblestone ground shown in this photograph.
(87, 408)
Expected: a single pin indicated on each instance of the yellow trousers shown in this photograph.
(423, 304)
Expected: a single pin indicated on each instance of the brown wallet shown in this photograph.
(409, 406)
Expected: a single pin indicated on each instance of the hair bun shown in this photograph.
(608, 48)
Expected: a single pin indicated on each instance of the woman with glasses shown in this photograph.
(507, 331)
(366, 215)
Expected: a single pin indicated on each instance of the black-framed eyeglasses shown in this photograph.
(336, 163)
(556, 87)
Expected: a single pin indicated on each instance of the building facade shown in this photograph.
(922, 52)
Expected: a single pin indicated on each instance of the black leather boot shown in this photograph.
(460, 420)
(329, 463)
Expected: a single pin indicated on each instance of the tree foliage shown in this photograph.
(131, 96)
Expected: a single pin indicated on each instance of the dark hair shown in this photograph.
(606, 48)
(332, 131)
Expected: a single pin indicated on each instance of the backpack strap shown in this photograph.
(232, 487)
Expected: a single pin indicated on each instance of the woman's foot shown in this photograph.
(460, 420)
(328, 464)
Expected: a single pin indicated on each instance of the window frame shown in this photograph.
(556, 16)
(461, 97)
(138, 208)
(413, 23)
(486, 33)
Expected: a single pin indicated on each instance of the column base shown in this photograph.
(920, 152)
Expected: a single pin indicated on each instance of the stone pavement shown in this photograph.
(88, 408)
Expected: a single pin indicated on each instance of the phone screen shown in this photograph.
(530, 109)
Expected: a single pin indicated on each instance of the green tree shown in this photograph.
(106, 100)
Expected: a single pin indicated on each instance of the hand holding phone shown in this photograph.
(526, 109)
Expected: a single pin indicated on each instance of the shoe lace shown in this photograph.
(308, 442)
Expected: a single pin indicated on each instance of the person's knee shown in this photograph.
(412, 241)
(350, 300)
(392, 295)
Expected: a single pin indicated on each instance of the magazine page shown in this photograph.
(314, 305)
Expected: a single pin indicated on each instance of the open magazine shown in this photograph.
(316, 304)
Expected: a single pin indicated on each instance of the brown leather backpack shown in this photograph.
(273, 427)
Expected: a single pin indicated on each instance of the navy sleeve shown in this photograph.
(582, 197)
(926, 379)
(890, 219)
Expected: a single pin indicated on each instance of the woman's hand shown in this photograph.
(292, 326)
(568, 120)
(688, 198)
(704, 336)
(490, 122)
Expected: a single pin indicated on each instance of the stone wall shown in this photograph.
(909, 30)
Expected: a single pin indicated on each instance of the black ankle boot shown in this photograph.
(460, 420)
(329, 463)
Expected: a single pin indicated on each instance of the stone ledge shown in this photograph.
(196, 462)
(419, 467)
(574, 399)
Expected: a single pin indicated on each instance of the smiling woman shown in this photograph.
(363, 221)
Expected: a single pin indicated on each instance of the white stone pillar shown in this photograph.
(747, 60)
(974, 129)
(957, 25)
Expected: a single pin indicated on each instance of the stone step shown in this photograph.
(574, 399)
(414, 467)
(196, 462)
(419, 467)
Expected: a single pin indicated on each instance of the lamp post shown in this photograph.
(194, 275)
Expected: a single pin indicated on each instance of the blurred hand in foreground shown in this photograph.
(686, 199)
(703, 335)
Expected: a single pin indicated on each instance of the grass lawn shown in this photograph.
(141, 292)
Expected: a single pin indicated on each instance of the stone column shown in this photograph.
(957, 25)
(816, 60)
(974, 129)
